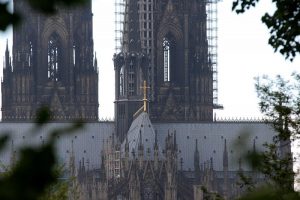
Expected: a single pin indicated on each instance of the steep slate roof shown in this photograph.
(211, 138)
(87, 142)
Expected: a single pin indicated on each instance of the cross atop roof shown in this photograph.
(145, 100)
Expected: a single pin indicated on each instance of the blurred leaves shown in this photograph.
(268, 192)
(35, 174)
(283, 24)
(43, 114)
(50, 6)
(31, 175)
(8, 17)
(58, 190)
(280, 102)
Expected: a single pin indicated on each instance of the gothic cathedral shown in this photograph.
(165, 43)
(53, 65)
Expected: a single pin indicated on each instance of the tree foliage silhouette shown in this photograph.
(280, 102)
(8, 17)
(35, 171)
(283, 24)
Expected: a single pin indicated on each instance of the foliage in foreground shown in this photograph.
(8, 17)
(283, 24)
(34, 175)
(280, 102)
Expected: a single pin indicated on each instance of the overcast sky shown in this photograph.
(243, 55)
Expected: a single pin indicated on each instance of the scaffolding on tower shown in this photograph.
(119, 23)
(212, 37)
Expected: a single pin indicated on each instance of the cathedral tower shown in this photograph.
(53, 64)
(172, 34)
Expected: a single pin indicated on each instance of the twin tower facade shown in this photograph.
(164, 43)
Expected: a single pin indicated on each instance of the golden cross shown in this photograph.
(145, 95)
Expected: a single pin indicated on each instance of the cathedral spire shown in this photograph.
(126, 145)
(155, 141)
(225, 155)
(175, 141)
(72, 161)
(7, 59)
(96, 62)
(156, 152)
(6, 50)
(197, 162)
(225, 170)
(102, 168)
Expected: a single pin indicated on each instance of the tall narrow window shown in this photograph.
(30, 54)
(122, 81)
(131, 80)
(74, 55)
(53, 57)
(166, 47)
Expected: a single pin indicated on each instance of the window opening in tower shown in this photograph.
(131, 81)
(122, 91)
(74, 55)
(53, 57)
(166, 46)
(30, 54)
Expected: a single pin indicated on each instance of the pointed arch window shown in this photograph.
(30, 54)
(131, 79)
(54, 51)
(122, 81)
(166, 47)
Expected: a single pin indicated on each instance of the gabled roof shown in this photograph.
(141, 132)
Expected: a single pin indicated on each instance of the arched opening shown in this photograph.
(30, 54)
(122, 81)
(131, 78)
(167, 49)
(170, 62)
(54, 51)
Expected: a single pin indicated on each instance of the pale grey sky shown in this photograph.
(243, 54)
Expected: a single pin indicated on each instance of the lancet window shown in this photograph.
(53, 57)
(166, 47)
(30, 54)
(131, 79)
(122, 81)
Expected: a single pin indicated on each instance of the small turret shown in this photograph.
(96, 62)
(126, 159)
(72, 167)
(225, 170)
(225, 155)
(102, 168)
(156, 151)
(7, 56)
(197, 162)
